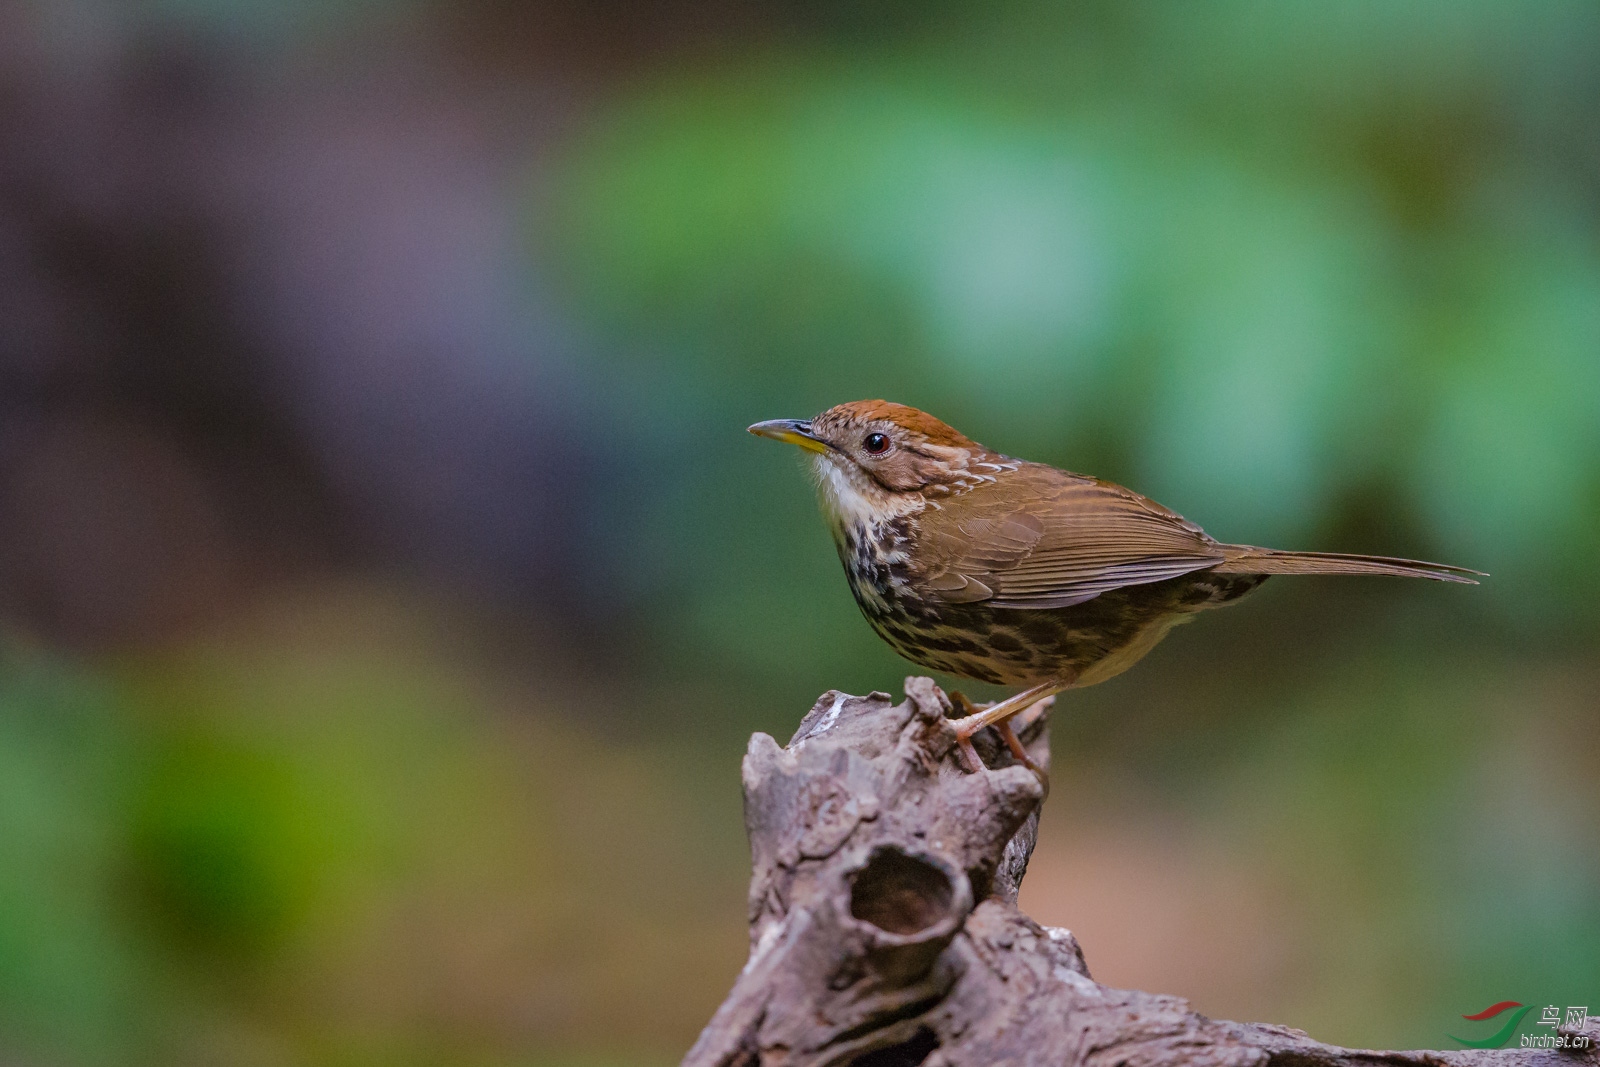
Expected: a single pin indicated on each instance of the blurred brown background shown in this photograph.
(387, 588)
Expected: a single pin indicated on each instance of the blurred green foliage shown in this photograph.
(227, 839)
(284, 849)
(65, 966)
(1301, 272)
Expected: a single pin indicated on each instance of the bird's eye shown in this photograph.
(876, 444)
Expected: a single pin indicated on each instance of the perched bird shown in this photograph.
(983, 566)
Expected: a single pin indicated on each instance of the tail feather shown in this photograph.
(1243, 559)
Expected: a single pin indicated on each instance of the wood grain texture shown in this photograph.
(884, 929)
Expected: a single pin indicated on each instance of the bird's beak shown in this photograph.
(791, 431)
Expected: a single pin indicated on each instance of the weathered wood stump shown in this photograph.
(884, 929)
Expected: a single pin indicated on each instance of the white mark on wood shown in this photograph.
(832, 717)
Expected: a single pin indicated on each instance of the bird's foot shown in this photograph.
(973, 719)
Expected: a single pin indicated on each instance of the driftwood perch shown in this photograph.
(884, 929)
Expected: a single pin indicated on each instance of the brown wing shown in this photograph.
(1045, 538)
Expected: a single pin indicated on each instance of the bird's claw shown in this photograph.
(969, 755)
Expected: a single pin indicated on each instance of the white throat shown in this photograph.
(852, 501)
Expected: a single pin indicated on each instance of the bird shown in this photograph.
(987, 567)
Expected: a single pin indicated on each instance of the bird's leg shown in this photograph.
(966, 709)
(999, 714)
(1014, 743)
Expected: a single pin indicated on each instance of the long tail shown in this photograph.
(1243, 559)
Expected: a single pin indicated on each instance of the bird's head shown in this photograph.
(875, 460)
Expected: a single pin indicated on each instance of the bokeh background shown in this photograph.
(388, 587)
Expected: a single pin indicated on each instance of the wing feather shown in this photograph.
(1051, 539)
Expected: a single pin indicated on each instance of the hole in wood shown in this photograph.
(907, 1053)
(899, 893)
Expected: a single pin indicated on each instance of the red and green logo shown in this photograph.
(1499, 1038)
